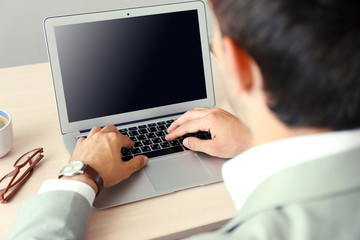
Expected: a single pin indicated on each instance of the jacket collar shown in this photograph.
(312, 180)
(243, 174)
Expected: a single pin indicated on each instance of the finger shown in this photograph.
(198, 145)
(94, 130)
(188, 116)
(192, 126)
(110, 128)
(137, 163)
(126, 142)
(80, 140)
(202, 108)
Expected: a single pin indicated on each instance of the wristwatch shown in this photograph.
(79, 167)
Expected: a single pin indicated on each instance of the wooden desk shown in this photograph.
(26, 93)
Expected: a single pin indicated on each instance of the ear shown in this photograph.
(239, 65)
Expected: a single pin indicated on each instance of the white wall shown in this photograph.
(21, 33)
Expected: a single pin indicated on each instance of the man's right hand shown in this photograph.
(229, 136)
(102, 151)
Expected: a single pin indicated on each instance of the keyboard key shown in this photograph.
(124, 130)
(147, 142)
(133, 128)
(152, 129)
(135, 151)
(151, 135)
(152, 125)
(146, 149)
(142, 126)
(183, 137)
(165, 151)
(127, 158)
(174, 143)
(208, 135)
(157, 140)
(133, 133)
(162, 128)
(138, 144)
(201, 135)
(155, 147)
(161, 123)
(204, 136)
(170, 121)
(125, 152)
(160, 134)
(143, 131)
(133, 139)
(164, 145)
(141, 137)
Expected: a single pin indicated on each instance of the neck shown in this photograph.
(266, 127)
(262, 135)
(272, 129)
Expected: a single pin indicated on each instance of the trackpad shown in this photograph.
(176, 172)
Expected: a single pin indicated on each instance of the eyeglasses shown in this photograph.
(24, 166)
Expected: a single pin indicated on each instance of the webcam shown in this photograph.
(128, 14)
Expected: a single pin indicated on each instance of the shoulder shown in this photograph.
(310, 219)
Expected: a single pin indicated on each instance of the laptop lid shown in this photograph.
(122, 66)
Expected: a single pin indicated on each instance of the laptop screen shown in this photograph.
(123, 65)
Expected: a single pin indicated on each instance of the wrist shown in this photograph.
(81, 171)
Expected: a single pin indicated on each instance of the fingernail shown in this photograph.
(146, 160)
(186, 142)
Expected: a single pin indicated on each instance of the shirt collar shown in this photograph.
(245, 172)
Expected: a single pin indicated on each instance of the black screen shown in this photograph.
(123, 65)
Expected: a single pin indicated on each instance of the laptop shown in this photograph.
(138, 69)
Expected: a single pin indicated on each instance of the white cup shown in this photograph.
(6, 133)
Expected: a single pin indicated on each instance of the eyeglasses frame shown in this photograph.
(24, 177)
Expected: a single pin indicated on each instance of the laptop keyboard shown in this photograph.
(150, 140)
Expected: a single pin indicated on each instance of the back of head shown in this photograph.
(308, 53)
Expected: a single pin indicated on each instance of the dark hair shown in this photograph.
(308, 53)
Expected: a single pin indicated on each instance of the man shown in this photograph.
(293, 69)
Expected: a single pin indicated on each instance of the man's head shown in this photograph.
(308, 53)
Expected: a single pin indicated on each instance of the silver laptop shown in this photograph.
(138, 69)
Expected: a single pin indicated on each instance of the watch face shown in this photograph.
(72, 168)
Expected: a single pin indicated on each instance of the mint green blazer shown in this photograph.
(317, 200)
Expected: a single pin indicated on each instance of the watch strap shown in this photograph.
(95, 176)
